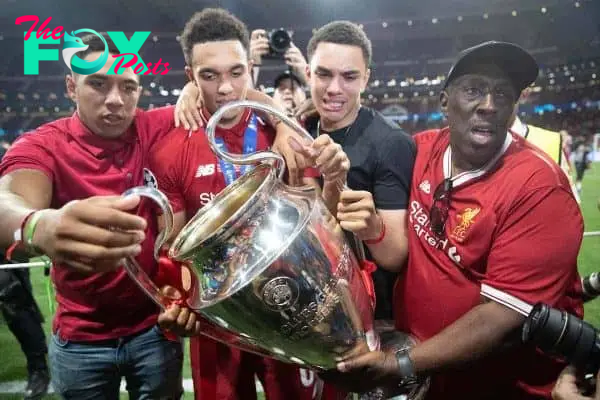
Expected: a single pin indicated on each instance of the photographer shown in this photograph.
(567, 387)
(261, 46)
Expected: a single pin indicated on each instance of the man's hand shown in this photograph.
(566, 386)
(365, 372)
(357, 214)
(331, 160)
(187, 109)
(295, 161)
(259, 45)
(91, 235)
(294, 58)
(180, 320)
(327, 156)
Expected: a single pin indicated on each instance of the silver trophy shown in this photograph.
(271, 270)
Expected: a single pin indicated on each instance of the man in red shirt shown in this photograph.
(60, 195)
(216, 49)
(493, 226)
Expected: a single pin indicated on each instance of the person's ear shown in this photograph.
(71, 84)
(444, 102)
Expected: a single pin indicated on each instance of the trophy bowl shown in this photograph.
(273, 266)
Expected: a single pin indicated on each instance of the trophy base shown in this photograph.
(392, 340)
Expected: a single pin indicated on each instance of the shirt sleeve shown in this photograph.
(534, 256)
(166, 165)
(393, 172)
(31, 151)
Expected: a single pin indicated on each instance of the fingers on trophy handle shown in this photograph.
(133, 269)
(161, 200)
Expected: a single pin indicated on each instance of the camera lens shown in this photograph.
(279, 40)
(558, 332)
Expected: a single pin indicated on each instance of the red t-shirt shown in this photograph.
(81, 164)
(513, 233)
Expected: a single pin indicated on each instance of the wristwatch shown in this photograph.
(406, 367)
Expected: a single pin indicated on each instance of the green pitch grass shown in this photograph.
(589, 255)
(13, 367)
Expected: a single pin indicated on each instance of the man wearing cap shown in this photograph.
(289, 92)
(493, 227)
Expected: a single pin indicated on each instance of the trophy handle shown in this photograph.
(258, 156)
(131, 266)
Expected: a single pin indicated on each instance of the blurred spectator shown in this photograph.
(581, 160)
(567, 143)
(551, 142)
(24, 319)
(289, 92)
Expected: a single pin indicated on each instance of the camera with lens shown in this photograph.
(560, 333)
(280, 41)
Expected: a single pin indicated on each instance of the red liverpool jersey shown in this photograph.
(512, 234)
(187, 170)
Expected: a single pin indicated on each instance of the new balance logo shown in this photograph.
(205, 170)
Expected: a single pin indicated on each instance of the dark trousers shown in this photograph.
(23, 316)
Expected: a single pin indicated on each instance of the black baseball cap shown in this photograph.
(519, 65)
(285, 75)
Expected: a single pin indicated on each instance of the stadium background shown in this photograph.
(414, 44)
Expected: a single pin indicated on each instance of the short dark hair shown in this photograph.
(213, 24)
(95, 44)
(342, 32)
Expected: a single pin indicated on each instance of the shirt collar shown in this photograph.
(96, 145)
(467, 176)
(519, 127)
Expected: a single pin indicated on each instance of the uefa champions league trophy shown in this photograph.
(272, 271)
